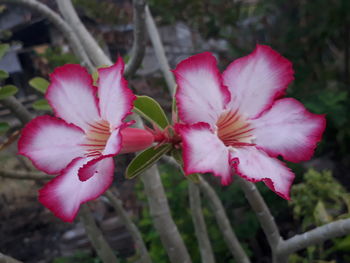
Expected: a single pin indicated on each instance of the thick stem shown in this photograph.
(17, 109)
(162, 220)
(98, 241)
(159, 51)
(54, 18)
(131, 227)
(139, 44)
(200, 227)
(24, 175)
(8, 259)
(223, 222)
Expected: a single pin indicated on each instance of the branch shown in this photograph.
(131, 227)
(139, 43)
(162, 220)
(159, 51)
(8, 259)
(313, 237)
(200, 227)
(98, 241)
(90, 45)
(262, 212)
(223, 222)
(24, 175)
(17, 109)
(60, 24)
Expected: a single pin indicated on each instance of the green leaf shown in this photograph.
(4, 127)
(145, 159)
(3, 49)
(41, 104)
(149, 109)
(39, 84)
(7, 91)
(3, 74)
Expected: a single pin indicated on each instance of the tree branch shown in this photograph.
(200, 227)
(8, 259)
(98, 241)
(159, 51)
(139, 43)
(24, 175)
(131, 227)
(223, 222)
(90, 45)
(162, 220)
(17, 109)
(60, 24)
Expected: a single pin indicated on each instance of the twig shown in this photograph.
(139, 43)
(8, 259)
(131, 227)
(223, 222)
(262, 212)
(159, 51)
(90, 45)
(98, 241)
(24, 175)
(17, 109)
(163, 222)
(200, 227)
(312, 237)
(60, 24)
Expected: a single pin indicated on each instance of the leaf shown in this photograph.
(4, 127)
(321, 215)
(40, 84)
(145, 159)
(3, 74)
(3, 49)
(7, 91)
(41, 104)
(149, 109)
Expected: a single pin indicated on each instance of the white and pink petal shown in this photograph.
(115, 98)
(256, 80)
(289, 130)
(255, 165)
(50, 143)
(200, 95)
(204, 152)
(64, 194)
(72, 95)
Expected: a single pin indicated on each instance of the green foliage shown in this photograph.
(149, 109)
(145, 160)
(3, 49)
(40, 84)
(56, 57)
(41, 104)
(78, 257)
(3, 74)
(4, 127)
(7, 91)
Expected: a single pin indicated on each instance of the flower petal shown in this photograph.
(116, 99)
(256, 80)
(288, 129)
(203, 152)
(255, 165)
(50, 143)
(64, 194)
(72, 95)
(200, 95)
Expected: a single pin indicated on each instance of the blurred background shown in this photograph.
(314, 35)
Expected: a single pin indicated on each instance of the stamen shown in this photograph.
(96, 138)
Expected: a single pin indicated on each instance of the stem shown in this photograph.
(89, 44)
(24, 175)
(223, 222)
(17, 109)
(163, 222)
(200, 227)
(139, 44)
(159, 51)
(98, 241)
(8, 259)
(131, 227)
(54, 18)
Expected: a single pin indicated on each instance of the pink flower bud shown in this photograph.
(134, 140)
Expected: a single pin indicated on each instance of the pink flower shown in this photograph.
(79, 143)
(239, 120)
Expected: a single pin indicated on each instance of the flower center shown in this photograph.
(234, 130)
(96, 138)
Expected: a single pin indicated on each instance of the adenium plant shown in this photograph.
(235, 122)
